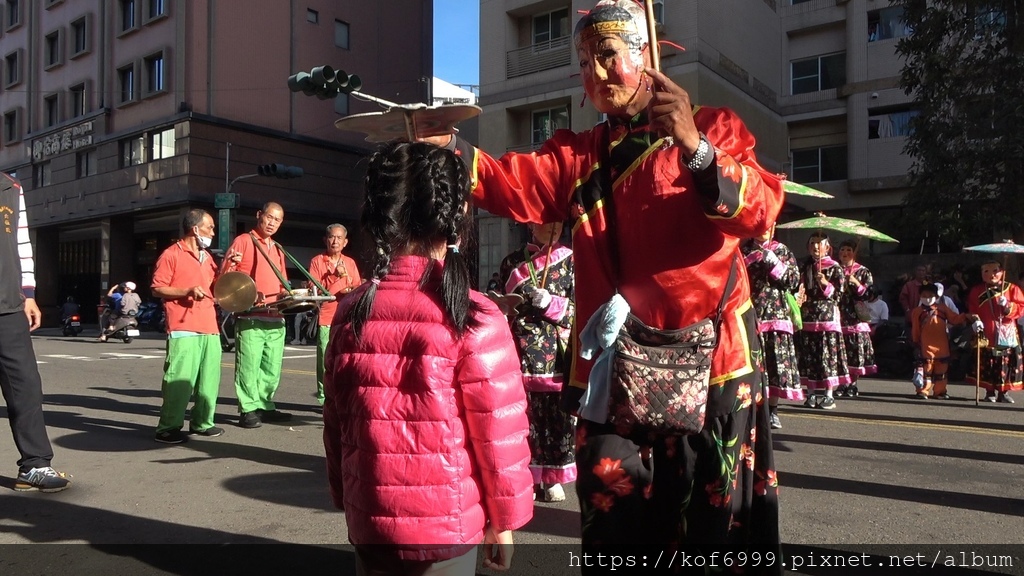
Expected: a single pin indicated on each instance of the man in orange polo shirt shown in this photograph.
(184, 278)
(339, 274)
(260, 335)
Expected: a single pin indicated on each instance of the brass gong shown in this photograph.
(235, 291)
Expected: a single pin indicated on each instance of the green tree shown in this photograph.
(964, 65)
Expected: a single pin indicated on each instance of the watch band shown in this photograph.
(702, 156)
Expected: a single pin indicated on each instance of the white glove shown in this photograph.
(1001, 300)
(977, 326)
(541, 298)
(771, 258)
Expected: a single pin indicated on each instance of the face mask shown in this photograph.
(928, 301)
(204, 242)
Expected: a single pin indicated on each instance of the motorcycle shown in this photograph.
(125, 328)
(71, 325)
(151, 316)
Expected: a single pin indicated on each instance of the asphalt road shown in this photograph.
(881, 469)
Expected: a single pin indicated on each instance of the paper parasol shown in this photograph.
(408, 121)
(820, 221)
(795, 189)
(1004, 247)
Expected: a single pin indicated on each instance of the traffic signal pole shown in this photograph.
(229, 201)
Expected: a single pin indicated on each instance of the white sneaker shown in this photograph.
(554, 493)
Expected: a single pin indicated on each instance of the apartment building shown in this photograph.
(814, 80)
(119, 115)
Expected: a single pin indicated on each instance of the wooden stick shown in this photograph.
(652, 35)
(547, 260)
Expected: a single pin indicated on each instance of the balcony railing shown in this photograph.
(538, 57)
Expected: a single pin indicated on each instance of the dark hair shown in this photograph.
(929, 288)
(849, 244)
(415, 196)
(191, 219)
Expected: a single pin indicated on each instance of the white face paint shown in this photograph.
(928, 301)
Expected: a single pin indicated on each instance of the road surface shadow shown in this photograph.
(920, 450)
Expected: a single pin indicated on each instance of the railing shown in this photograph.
(538, 57)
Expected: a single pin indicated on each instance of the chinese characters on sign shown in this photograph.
(72, 138)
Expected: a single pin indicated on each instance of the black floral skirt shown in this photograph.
(1001, 370)
(780, 365)
(552, 439)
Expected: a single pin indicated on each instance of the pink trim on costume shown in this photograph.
(828, 290)
(859, 327)
(863, 370)
(778, 270)
(553, 475)
(755, 256)
(829, 383)
(775, 326)
(557, 309)
(830, 326)
(521, 273)
(542, 382)
(786, 393)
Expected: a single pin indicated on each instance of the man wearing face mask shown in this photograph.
(184, 278)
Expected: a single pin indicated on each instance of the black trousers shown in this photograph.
(23, 392)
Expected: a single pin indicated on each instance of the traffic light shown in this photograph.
(280, 171)
(324, 82)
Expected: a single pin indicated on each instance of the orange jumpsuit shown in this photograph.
(930, 334)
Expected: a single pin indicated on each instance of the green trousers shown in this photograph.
(259, 353)
(192, 368)
(321, 350)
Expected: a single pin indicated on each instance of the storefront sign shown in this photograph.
(78, 136)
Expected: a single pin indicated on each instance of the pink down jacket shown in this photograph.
(425, 433)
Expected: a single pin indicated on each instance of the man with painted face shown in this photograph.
(259, 334)
(184, 278)
(998, 304)
(687, 188)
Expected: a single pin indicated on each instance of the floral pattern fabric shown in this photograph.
(768, 288)
(860, 354)
(821, 352)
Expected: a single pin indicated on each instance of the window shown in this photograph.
(13, 13)
(551, 26)
(79, 104)
(51, 109)
(161, 144)
(43, 174)
(819, 164)
(131, 151)
(157, 8)
(341, 104)
(127, 15)
(886, 23)
(341, 34)
(85, 163)
(52, 51)
(154, 73)
(79, 37)
(12, 69)
(312, 16)
(987, 19)
(819, 73)
(894, 124)
(545, 122)
(126, 83)
(12, 132)
(659, 11)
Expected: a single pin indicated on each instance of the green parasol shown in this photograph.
(791, 187)
(872, 234)
(820, 221)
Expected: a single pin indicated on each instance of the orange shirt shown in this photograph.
(929, 330)
(179, 267)
(339, 280)
(255, 265)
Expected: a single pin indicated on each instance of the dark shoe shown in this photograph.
(1005, 398)
(171, 437)
(250, 420)
(921, 396)
(852, 391)
(211, 432)
(841, 391)
(274, 416)
(774, 422)
(42, 479)
(943, 396)
(811, 401)
(991, 398)
(827, 403)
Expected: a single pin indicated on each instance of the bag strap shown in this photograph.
(280, 277)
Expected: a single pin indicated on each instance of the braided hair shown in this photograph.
(416, 196)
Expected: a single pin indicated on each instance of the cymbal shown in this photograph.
(235, 291)
(408, 121)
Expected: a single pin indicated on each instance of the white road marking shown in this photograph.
(125, 356)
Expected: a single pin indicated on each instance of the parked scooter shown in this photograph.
(125, 328)
(151, 316)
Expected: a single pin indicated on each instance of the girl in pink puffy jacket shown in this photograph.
(424, 420)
